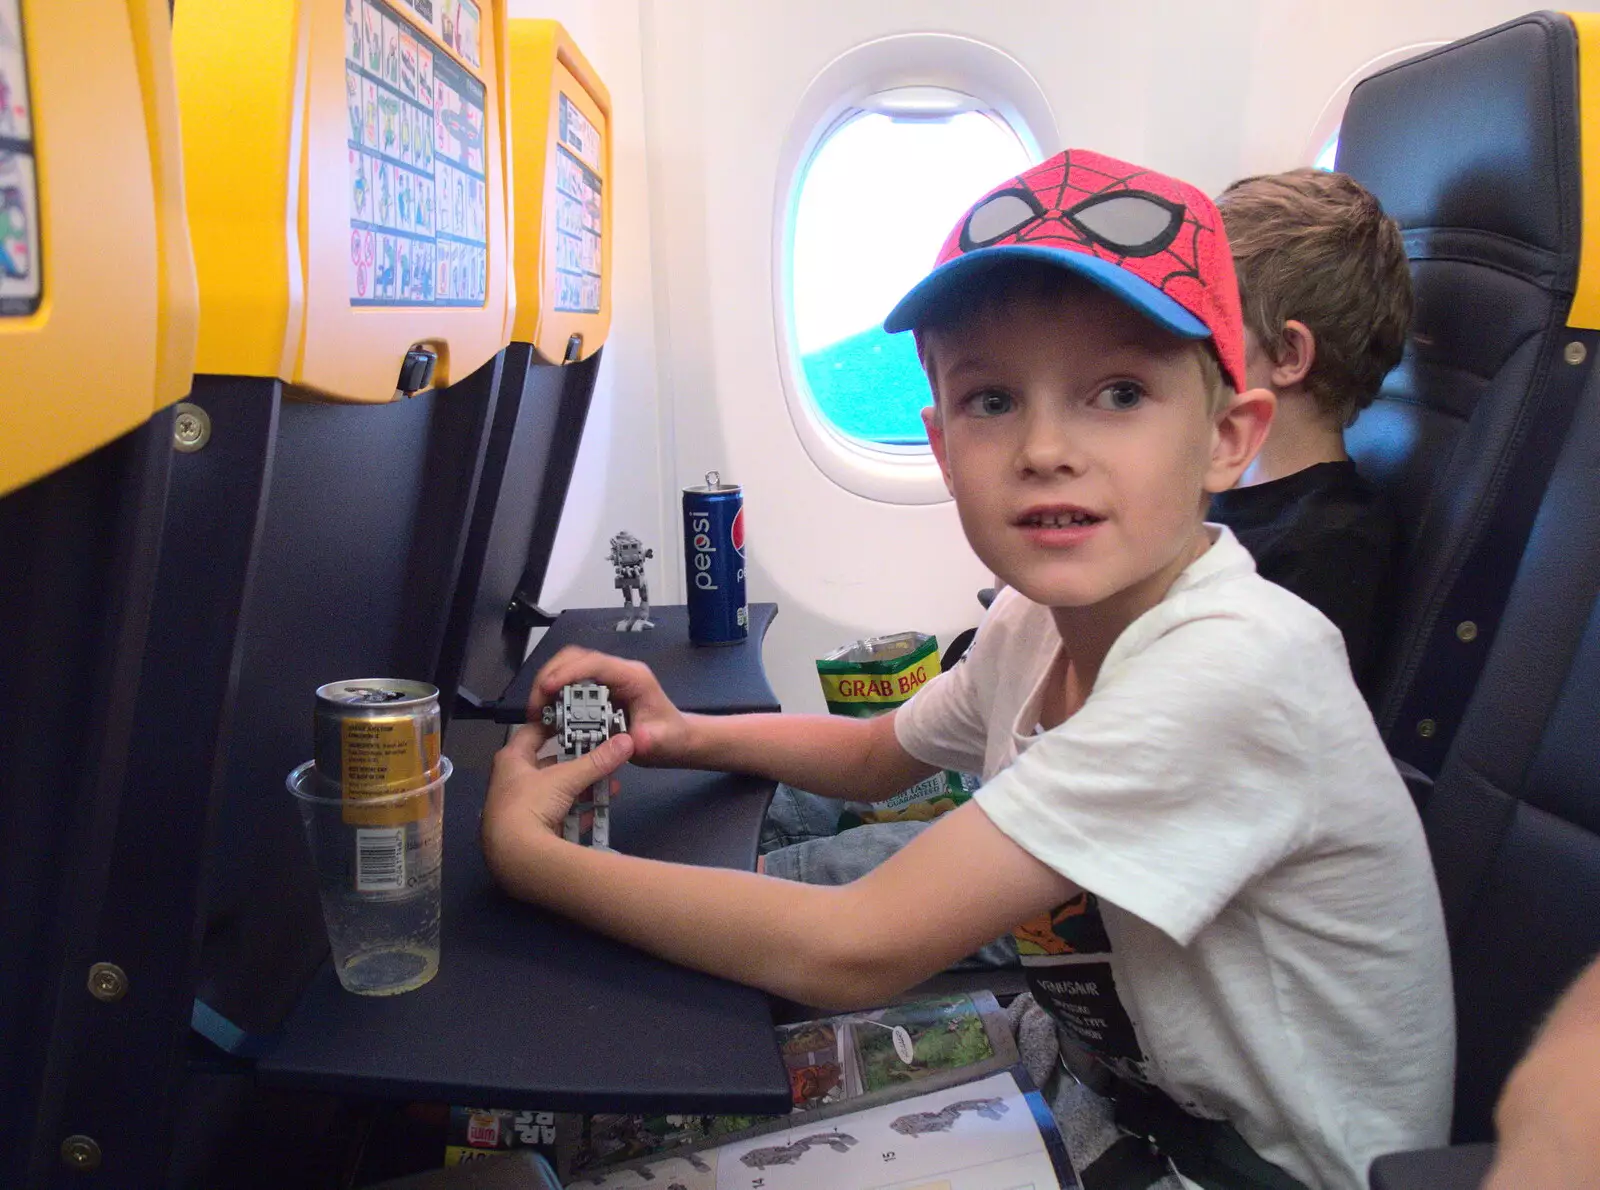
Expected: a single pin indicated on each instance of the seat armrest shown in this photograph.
(1461, 1167)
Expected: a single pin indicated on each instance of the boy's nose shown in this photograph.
(1048, 447)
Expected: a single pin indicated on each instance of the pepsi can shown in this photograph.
(713, 550)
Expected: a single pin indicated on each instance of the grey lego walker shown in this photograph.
(584, 719)
(628, 556)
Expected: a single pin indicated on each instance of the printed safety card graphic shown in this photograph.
(21, 280)
(579, 152)
(977, 1136)
(418, 194)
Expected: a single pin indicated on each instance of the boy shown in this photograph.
(1223, 880)
(1326, 291)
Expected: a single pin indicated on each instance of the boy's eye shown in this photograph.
(1120, 396)
(989, 403)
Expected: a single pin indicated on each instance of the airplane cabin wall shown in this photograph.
(623, 463)
(705, 95)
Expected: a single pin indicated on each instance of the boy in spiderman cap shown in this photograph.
(1216, 876)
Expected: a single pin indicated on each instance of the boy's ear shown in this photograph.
(935, 427)
(1293, 362)
(1240, 430)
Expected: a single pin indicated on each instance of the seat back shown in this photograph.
(1474, 149)
(1514, 818)
(97, 341)
(359, 251)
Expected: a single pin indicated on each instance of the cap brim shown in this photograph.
(953, 275)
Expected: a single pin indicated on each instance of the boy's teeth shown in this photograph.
(1059, 521)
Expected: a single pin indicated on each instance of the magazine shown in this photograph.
(992, 1134)
(927, 1095)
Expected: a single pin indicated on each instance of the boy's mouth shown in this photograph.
(1060, 516)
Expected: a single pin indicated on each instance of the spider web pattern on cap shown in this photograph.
(1162, 231)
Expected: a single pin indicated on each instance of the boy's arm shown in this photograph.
(1548, 1117)
(856, 759)
(831, 755)
(954, 888)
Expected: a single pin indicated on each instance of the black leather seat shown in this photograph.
(1490, 438)
(1514, 818)
(1474, 150)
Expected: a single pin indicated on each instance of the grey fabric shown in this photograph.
(1066, 1077)
(840, 859)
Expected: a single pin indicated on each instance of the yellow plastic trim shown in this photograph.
(546, 62)
(178, 321)
(1585, 314)
(354, 353)
(267, 158)
(113, 337)
(241, 78)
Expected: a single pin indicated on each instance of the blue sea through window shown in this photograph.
(1329, 152)
(875, 203)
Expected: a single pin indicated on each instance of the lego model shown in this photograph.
(628, 556)
(789, 1154)
(922, 1122)
(584, 719)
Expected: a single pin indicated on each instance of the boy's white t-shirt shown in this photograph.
(1261, 935)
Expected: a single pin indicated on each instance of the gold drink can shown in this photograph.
(376, 737)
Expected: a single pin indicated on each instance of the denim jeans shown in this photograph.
(799, 843)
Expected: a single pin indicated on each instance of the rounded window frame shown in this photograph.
(999, 87)
(1331, 118)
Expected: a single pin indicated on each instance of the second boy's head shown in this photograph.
(1082, 337)
(1325, 284)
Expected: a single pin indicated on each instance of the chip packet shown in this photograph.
(871, 676)
(478, 1132)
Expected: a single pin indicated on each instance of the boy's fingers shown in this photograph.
(608, 757)
(575, 776)
(571, 664)
(525, 743)
(562, 661)
(646, 736)
(627, 679)
(547, 684)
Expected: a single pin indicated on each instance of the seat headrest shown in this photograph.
(1474, 148)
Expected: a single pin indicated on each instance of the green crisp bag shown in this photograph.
(869, 677)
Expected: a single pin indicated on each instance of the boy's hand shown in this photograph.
(529, 797)
(659, 730)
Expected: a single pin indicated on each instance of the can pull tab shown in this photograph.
(713, 479)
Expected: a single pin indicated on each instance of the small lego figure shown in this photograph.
(584, 719)
(628, 556)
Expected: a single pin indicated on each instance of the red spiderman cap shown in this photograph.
(1153, 241)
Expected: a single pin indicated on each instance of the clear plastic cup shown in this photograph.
(378, 863)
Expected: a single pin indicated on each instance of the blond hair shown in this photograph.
(1316, 246)
(1001, 289)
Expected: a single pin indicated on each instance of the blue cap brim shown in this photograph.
(953, 275)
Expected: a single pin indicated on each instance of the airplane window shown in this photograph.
(874, 203)
(1328, 153)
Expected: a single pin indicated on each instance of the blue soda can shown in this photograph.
(713, 550)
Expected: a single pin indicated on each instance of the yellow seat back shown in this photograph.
(97, 285)
(346, 166)
(561, 127)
